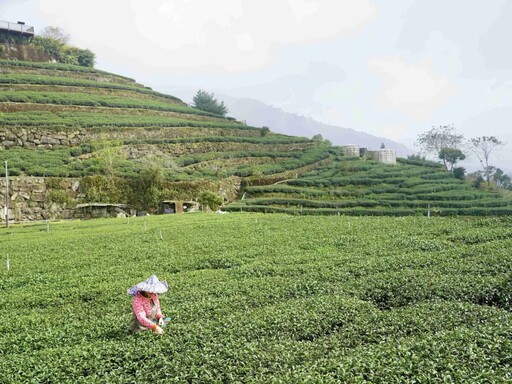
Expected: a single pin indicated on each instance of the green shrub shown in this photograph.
(63, 53)
(59, 196)
(210, 199)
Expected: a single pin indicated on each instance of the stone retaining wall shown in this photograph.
(38, 138)
(30, 198)
(38, 198)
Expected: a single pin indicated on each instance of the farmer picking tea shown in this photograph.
(146, 306)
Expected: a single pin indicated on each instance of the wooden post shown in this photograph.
(6, 196)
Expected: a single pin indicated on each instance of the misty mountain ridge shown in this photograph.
(257, 113)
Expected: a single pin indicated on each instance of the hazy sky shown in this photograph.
(389, 68)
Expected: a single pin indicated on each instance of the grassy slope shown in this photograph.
(261, 298)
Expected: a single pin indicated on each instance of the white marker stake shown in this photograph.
(8, 266)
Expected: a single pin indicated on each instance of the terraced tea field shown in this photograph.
(260, 298)
(354, 186)
(66, 122)
(57, 119)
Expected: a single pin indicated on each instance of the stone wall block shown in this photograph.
(7, 144)
(38, 197)
(75, 185)
(49, 140)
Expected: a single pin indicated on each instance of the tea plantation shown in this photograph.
(129, 144)
(56, 120)
(360, 187)
(260, 298)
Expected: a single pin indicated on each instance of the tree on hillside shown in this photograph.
(207, 102)
(459, 173)
(55, 33)
(437, 138)
(110, 155)
(54, 42)
(49, 46)
(148, 188)
(482, 147)
(77, 56)
(501, 179)
(450, 157)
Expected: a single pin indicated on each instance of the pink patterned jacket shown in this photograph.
(142, 309)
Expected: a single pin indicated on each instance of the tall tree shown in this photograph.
(501, 179)
(110, 154)
(55, 33)
(450, 157)
(482, 147)
(437, 138)
(207, 102)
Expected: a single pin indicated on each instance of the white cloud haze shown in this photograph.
(413, 89)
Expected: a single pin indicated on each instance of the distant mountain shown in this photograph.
(260, 114)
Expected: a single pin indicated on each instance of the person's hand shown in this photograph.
(159, 331)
